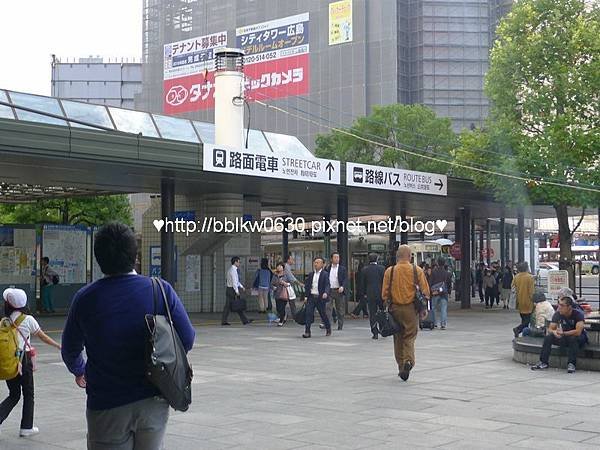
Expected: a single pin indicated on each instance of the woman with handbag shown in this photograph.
(15, 309)
(280, 292)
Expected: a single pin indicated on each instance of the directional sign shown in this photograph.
(390, 179)
(267, 164)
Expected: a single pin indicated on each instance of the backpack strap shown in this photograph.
(16, 324)
(390, 283)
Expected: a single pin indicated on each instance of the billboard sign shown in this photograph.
(189, 73)
(276, 62)
(340, 22)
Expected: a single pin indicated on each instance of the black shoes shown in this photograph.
(516, 332)
(306, 335)
(249, 321)
(405, 372)
(328, 332)
(375, 336)
(225, 324)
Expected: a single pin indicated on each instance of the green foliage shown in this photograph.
(413, 127)
(74, 211)
(544, 85)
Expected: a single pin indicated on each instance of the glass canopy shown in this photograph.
(63, 112)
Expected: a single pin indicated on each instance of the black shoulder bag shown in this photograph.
(385, 322)
(420, 300)
(167, 366)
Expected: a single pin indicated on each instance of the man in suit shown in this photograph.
(338, 283)
(317, 291)
(371, 277)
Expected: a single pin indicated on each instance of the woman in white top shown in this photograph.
(15, 308)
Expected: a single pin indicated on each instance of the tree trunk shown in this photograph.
(564, 235)
(65, 213)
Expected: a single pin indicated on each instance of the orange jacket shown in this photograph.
(403, 284)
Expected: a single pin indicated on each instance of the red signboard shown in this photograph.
(276, 79)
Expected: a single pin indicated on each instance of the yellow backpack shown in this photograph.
(10, 354)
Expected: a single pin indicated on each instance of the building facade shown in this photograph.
(431, 52)
(94, 80)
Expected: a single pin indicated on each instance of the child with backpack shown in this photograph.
(17, 357)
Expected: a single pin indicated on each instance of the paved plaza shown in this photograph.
(263, 387)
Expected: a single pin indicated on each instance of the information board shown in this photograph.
(66, 247)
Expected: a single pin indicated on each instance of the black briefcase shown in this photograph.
(386, 324)
(238, 304)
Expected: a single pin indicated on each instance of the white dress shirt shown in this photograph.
(315, 283)
(333, 277)
(233, 281)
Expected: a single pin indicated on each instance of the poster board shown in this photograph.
(557, 279)
(66, 247)
(17, 255)
(193, 273)
(154, 262)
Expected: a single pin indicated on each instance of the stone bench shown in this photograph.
(527, 349)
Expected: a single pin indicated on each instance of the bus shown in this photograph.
(587, 254)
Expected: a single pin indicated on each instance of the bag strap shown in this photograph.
(16, 324)
(390, 283)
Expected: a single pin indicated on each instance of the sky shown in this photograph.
(32, 30)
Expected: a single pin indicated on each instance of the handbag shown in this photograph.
(420, 300)
(291, 292)
(238, 304)
(300, 316)
(440, 288)
(167, 366)
(384, 321)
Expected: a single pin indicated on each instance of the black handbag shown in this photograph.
(300, 316)
(420, 300)
(238, 304)
(167, 366)
(384, 321)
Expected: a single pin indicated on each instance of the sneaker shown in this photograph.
(322, 326)
(443, 327)
(405, 372)
(277, 320)
(28, 432)
(279, 324)
(516, 332)
(354, 316)
(540, 366)
(570, 368)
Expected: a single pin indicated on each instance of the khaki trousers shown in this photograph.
(404, 342)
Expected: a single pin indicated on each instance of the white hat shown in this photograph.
(16, 297)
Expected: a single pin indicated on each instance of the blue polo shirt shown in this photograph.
(107, 317)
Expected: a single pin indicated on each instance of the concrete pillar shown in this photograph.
(488, 244)
(502, 243)
(342, 235)
(465, 261)
(327, 238)
(403, 236)
(167, 237)
(532, 261)
(285, 248)
(480, 245)
(513, 253)
(521, 235)
(473, 242)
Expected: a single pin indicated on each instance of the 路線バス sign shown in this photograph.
(266, 164)
(388, 178)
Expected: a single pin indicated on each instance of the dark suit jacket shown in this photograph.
(342, 276)
(371, 280)
(323, 284)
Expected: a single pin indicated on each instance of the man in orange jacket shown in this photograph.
(400, 296)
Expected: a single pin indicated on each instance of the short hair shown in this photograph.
(373, 257)
(403, 252)
(234, 260)
(319, 257)
(280, 263)
(264, 263)
(333, 254)
(523, 267)
(115, 248)
(441, 261)
(46, 259)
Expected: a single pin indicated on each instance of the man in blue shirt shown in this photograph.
(124, 411)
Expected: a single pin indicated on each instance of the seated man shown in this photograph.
(566, 330)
